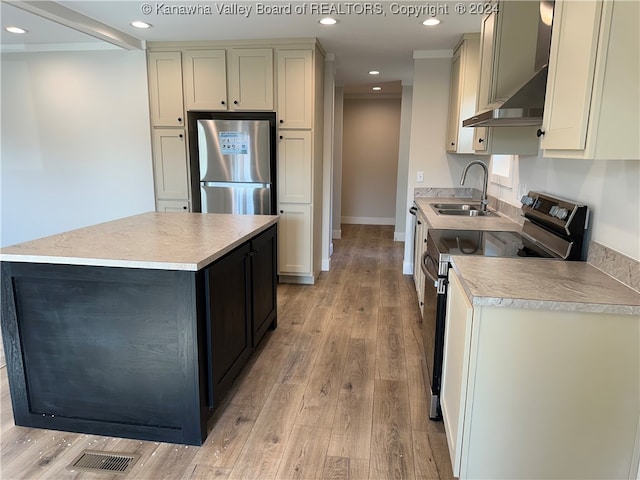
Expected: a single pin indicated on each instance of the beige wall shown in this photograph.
(371, 136)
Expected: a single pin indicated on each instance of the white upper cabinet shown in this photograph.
(463, 93)
(591, 104)
(165, 89)
(507, 61)
(508, 50)
(205, 79)
(295, 88)
(251, 78)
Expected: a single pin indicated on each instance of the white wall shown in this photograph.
(370, 160)
(337, 163)
(610, 188)
(76, 146)
(403, 162)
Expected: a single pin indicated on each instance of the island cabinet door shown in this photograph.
(228, 313)
(263, 282)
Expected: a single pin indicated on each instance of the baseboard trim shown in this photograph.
(301, 280)
(369, 220)
(337, 234)
(407, 268)
(398, 236)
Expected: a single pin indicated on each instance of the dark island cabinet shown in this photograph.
(240, 306)
(133, 352)
(264, 267)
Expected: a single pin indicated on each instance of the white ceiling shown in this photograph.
(360, 42)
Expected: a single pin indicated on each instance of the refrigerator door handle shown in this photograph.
(235, 185)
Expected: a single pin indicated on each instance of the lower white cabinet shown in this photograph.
(172, 205)
(542, 394)
(294, 240)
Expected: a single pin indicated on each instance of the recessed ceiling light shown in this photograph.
(374, 72)
(377, 89)
(15, 30)
(139, 24)
(430, 22)
(328, 21)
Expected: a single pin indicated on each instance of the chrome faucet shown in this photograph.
(483, 200)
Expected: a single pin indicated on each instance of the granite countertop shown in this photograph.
(154, 240)
(496, 222)
(543, 284)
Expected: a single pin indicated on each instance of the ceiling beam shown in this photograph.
(70, 18)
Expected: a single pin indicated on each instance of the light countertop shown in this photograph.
(544, 284)
(154, 240)
(497, 222)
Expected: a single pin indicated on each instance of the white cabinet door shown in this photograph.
(487, 40)
(463, 94)
(294, 166)
(591, 104)
(251, 78)
(455, 367)
(172, 205)
(454, 101)
(571, 79)
(165, 89)
(295, 88)
(294, 239)
(205, 79)
(170, 164)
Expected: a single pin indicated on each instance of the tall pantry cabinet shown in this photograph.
(284, 76)
(168, 134)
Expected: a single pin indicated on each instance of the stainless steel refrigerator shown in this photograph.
(233, 162)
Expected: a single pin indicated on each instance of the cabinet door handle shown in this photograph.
(235, 102)
(480, 140)
(222, 102)
(180, 119)
(281, 211)
(281, 121)
(281, 137)
(180, 135)
(184, 207)
(540, 133)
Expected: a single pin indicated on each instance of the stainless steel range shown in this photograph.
(553, 228)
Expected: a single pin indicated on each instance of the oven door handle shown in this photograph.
(425, 269)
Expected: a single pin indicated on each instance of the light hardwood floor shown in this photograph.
(337, 391)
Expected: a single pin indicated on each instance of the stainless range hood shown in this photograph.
(525, 107)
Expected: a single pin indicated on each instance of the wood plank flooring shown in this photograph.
(336, 392)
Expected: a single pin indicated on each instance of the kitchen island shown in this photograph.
(136, 327)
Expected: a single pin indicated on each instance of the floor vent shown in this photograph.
(107, 462)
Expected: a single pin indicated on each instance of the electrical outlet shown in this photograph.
(420, 176)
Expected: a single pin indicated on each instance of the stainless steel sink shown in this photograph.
(460, 209)
(456, 206)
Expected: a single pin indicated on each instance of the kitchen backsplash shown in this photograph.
(615, 264)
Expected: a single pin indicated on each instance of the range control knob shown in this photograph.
(526, 200)
(562, 213)
(553, 211)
